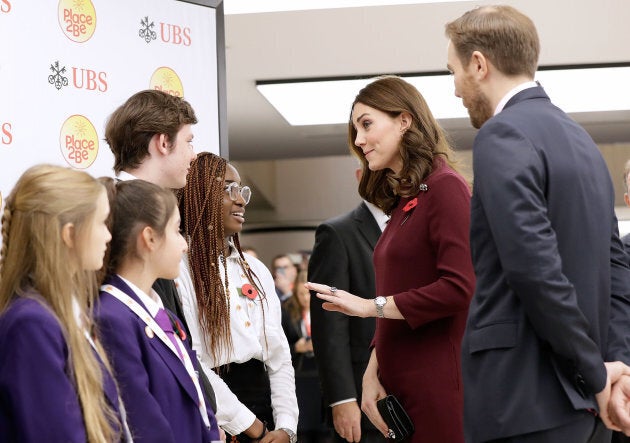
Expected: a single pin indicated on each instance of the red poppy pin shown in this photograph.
(248, 291)
(180, 330)
(410, 204)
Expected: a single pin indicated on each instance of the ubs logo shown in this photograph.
(6, 133)
(82, 78)
(77, 19)
(169, 33)
(78, 142)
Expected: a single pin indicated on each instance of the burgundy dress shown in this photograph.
(423, 260)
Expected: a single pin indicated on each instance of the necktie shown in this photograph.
(164, 321)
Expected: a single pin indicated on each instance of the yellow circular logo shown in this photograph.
(77, 19)
(78, 141)
(166, 80)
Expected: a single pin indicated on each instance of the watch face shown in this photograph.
(380, 301)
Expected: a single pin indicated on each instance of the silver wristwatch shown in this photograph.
(291, 434)
(380, 302)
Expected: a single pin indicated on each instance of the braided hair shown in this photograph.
(200, 205)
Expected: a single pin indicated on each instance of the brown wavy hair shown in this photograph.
(420, 144)
(33, 255)
(200, 205)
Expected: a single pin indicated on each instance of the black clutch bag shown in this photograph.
(398, 422)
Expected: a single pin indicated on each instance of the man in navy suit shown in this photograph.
(552, 298)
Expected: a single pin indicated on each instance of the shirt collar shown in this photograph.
(512, 93)
(124, 176)
(151, 302)
(380, 217)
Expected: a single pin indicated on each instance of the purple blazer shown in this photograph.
(158, 393)
(38, 400)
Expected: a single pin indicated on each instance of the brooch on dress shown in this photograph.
(411, 204)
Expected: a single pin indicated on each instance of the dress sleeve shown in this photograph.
(448, 215)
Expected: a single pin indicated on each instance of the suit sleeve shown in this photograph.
(35, 387)
(619, 332)
(448, 215)
(121, 336)
(330, 330)
(510, 179)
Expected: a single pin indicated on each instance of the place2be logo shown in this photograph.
(5, 6)
(82, 78)
(78, 141)
(77, 19)
(169, 33)
(166, 80)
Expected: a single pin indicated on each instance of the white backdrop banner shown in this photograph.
(66, 65)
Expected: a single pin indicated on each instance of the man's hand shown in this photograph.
(614, 371)
(347, 420)
(619, 403)
(277, 436)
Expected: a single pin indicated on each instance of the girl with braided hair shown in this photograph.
(55, 380)
(230, 305)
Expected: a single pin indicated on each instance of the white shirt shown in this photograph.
(512, 93)
(248, 341)
(380, 217)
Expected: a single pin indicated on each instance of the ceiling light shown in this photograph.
(320, 102)
(255, 6)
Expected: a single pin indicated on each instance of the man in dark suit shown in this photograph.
(151, 136)
(342, 257)
(553, 287)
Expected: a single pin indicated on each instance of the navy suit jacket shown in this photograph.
(342, 257)
(38, 400)
(552, 298)
(158, 393)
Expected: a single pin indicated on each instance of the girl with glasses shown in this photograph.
(234, 315)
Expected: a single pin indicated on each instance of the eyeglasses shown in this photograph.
(234, 190)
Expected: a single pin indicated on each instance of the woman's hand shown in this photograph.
(342, 301)
(373, 391)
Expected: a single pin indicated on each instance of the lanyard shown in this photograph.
(150, 322)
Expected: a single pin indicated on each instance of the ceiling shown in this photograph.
(366, 41)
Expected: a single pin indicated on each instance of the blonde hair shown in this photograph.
(33, 255)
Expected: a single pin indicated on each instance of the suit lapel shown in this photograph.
(170, 359)
(366, 224)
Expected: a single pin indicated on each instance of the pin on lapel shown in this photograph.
(149, 331)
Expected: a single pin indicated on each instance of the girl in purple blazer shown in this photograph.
(55, 383)
(156, 371)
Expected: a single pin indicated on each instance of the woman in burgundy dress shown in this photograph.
(424, 274)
